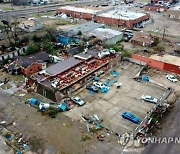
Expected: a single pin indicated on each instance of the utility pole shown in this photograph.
(164, 32)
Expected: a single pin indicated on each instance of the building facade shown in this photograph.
(116, 16)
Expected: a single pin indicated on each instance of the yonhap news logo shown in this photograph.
(128, 140)
(160, 140)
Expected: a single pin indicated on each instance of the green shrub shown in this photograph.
(126, 53)
(32, 48)
(84, 138)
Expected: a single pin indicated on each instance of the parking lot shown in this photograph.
(109, 106)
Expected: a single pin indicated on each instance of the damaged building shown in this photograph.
(62, 79)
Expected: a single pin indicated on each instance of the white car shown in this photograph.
(103, 53)
(99, 85)
(77, 100)
(111, 50)
(171, 78)
(150, 99)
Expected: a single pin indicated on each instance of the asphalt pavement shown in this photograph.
(47, 8)
(170, 128)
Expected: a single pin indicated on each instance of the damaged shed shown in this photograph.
(108, 36)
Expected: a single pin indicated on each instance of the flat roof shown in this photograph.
(80, 9)
(84, 28)
(175, 8)
(123, 14)
(62, 66)
(167, 58)
(103, 33)
(143, 38)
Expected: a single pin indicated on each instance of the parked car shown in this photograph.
(129, 116)
(141, 5)
(111, 50)
(106, 52)
(150, 99)
(171, 78)
(103, 53)
(92, 88)
(99, 84)
(77, 100)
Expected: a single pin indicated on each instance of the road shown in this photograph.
(5, 15)
(170, 128)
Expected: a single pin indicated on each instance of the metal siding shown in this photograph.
(158, 64)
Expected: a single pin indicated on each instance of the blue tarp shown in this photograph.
(96, 78)
(114, 73)
(33, 101)
(19, 152)
(104, 89)
(9, 137)
(62, 107)
(26, 146)
(98, 125)
(91, 92)
(107, 83)
(115, 80)
(145, 78)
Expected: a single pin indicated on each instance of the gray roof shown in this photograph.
(103, 33)
(26, 61)
(62, 66)
(84, 28)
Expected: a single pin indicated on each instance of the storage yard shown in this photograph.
(109, 106)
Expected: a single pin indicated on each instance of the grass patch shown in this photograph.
(15, 78)
(7, 9)
(85, 138)
(62, 22)
(6, 86)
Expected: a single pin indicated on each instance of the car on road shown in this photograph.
(99, 85)
(77, 100)
(129, 116)
(171, 78)
(148, 98)
(92, 88)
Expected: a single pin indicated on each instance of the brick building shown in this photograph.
(166, 62)
(113, 16)
(29, 65)
(142, 40)
(155, 7)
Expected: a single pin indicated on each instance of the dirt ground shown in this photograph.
(46, 135)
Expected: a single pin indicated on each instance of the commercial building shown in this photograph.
(155, 7)
(166, 62)
(77, 12)
(174, 13)
(64, 78)
(142, 40)
(72, 34)
(108, 36)
(122, 17)
(112, 16)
